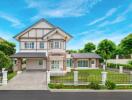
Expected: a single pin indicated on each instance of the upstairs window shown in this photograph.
(29, 45)
(55, 44)
(41, 44)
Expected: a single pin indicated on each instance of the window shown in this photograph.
(82, 63)
(41, 44)
(55, 64)
(55, 44)
(40, 62)
(29, 45)
(68, 62)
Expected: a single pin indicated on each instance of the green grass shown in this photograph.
(11, 75)
(93, 75)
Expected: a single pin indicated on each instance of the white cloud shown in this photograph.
(108, 14)
(61, 8)
(14, 21)
(115, 21)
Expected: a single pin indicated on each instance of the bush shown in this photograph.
(125, 66)
(110, 85)
(130, 62)
(94, 85)
(56, 86)
(5, 61)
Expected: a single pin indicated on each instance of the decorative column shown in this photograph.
(4, 77)
(104, 77)
(75, 77)
(121, 69)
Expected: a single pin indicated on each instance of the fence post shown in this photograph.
(104, 67)
(4, 76)
(131, 77)
(121, 69)
(75, 77)
(48, 77)
(104, 77)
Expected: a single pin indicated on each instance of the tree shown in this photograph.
(5, 61)
(106, 48)
(80, 51)
(89, 47)
(126, 45)
(7, 47)
(71, 51)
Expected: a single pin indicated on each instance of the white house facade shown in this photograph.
(43, 47)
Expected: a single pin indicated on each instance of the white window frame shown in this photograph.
(29, 45)
(55, 65)
(83, 63)
(55, 44)
(41, 44)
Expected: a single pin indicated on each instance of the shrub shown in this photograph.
(56, 86)
(130, 62)
(94, 85)
(110, 85)
(5, 61)
(125, 66)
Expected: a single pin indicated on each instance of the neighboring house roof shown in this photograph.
(29, 54)
(85, 55)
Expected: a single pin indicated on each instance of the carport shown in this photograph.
(34, 60)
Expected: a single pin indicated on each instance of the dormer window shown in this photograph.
(29, 45)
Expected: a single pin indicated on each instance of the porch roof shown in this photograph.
(29, 55)
(85, 55)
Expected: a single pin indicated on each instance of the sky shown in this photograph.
(85, 20)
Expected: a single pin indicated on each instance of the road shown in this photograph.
(47, 95)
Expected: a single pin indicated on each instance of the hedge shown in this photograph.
(125, 66)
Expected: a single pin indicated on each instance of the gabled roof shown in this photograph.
(54, 30)
(41, 20)
(85, 55)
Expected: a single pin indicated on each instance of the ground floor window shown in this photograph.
(69, 62)
(40, 62)
(83, 63)
(54, 64)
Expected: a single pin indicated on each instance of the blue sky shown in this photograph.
(85, 20)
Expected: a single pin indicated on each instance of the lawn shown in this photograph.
(93, 76)
(11, 75)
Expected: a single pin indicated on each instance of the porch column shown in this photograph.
(89, 62)
(19, 64)
(64, 62)
(75, 62)
(97, 62)
(48, 64)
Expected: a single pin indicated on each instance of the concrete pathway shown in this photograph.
(27, 80)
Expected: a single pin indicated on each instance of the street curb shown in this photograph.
(80, 90)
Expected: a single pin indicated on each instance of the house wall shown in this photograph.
(90, 66)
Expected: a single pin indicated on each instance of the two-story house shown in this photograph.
(43, 45)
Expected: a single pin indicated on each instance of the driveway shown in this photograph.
(27, 80)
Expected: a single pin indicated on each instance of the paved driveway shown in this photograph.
(27, 80)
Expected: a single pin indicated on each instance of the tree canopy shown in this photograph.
(5, 61)
(126, 45)
(89, 47)
(106, 48)
(7, 47)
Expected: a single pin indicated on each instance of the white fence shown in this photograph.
(118, 61)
